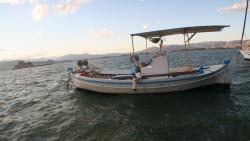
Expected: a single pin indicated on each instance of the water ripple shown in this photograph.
(207, 114)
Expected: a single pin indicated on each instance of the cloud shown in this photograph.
(145, 26)
(235, 7)
(40, 34)
(36, 53)
(157, 22)
(33, 1)
(40, 11)
(68, 7)
(16, 2)
(103, 33)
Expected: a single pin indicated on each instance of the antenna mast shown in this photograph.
(244, 25)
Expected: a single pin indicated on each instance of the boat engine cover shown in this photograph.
(159, 66)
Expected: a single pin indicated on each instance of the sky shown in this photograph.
(32, 29)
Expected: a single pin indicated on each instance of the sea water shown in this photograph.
(202, 114)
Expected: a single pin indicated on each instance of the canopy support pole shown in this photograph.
(133, 48)
(189, 51)
(187, 43)
(185, 39)
(147, 48)
(133, 45)
(190, 37)
(161, 43)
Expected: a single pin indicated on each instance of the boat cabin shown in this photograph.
(160, 63)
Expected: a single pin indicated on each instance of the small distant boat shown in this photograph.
(155, 75)
(23, 64)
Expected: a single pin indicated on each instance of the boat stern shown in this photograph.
(227, 75)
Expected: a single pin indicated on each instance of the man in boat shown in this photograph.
(83, 67)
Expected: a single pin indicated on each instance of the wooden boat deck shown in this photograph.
(123, 74)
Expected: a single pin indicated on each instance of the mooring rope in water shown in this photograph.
(71, 83)
(53, 90)
(58, 86)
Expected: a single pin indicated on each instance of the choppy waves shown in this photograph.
(205, 114)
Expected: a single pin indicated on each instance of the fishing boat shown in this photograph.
(246, 54)
(155, 75)
(245, 51)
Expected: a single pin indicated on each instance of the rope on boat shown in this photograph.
(53, 90)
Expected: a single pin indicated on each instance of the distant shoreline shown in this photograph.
(209, 48)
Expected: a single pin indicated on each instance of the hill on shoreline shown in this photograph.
(7, 65)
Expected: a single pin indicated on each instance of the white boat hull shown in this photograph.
(216, 74)
(245, 54)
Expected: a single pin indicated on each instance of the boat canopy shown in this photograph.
(183, 30)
